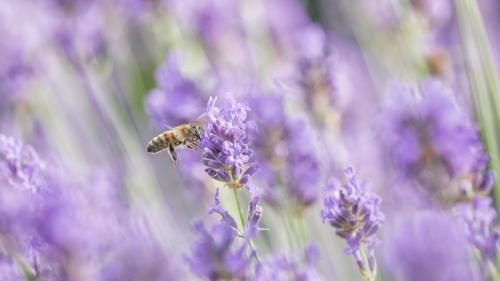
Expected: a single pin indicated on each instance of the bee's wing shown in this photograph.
(167, 127)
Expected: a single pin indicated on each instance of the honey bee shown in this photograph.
(185, 135)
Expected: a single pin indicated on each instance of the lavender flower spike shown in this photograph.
(355, 215)
(227, 154)
(479, 218)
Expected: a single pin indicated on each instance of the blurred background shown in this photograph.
(89, 83)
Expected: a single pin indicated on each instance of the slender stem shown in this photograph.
(292, 226)
(238, 206)
(302, 227)
(27, 274)
(367, 273)
(287, 231)
(242, 221)
(493, 271)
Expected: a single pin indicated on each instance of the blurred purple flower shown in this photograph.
(267, 137)
(227, 155)
(217, 255)
(79, 28)
(19, 65)
(290, 267)
(354, 213)
(9, 271)
(285, 19)
(20, 164)
(480, 219)
(315, 77)
(15, 71)
(214, 20)
(61, 229)
(417, 137)
(136, 258)
(302, 175)
(429, 244)
(438, 13)
(176, 100)
(287, 163)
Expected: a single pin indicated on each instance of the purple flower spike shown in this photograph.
(254, 216)
(479, 217)
(355, 215)
(20, 164)
(303, 172)
(315, 78)
(227, 155)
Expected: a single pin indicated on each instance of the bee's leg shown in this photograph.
(193, 146)
(172, 153)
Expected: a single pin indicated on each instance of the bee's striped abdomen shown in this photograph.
(158, 143)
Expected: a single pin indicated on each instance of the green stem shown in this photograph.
(242, 221)
(238, 207)
(27, 274)
(493, 271)
(288, 232)
(302, 229)
(293, 227)
(369, 275)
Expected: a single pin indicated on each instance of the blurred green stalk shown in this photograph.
(483, 80)
(242, 221)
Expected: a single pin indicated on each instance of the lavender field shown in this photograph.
(249, 140)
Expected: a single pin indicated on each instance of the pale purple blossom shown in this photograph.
(354, 213)
(227, 153)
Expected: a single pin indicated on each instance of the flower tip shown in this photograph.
(349, 172)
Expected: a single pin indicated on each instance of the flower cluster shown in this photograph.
(355, 215)
(479, 218)
(20, 164)
(227, 154)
